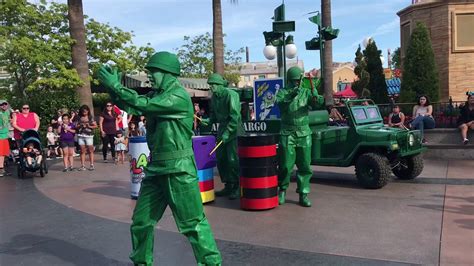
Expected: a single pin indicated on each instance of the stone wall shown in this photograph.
(461, 64)
(456, 69)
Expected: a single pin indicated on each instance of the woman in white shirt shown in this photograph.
(423, 116)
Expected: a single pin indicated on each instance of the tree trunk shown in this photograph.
(217, 37)
(327, 56)
(79, 50)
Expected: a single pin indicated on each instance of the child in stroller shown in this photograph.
(31, 154)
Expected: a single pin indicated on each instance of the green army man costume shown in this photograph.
(225, 110)
(171, 176)
(295, 136)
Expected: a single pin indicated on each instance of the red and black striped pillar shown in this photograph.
(258, 171)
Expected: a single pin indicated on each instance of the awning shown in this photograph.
(346, 93)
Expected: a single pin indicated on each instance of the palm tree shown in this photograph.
(327, 56)
(79, 50)
(218, 36)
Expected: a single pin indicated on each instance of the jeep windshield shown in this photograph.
(365, 112)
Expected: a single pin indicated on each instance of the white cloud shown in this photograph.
(383, 29)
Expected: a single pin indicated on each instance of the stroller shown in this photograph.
(31, 138)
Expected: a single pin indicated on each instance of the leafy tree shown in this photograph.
(196, 57)
(35, 49)
(396, 60)
(360, 86)
(420, 76)
(377, 85)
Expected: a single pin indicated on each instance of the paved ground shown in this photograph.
(82, 218)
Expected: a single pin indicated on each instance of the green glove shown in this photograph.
(108, 77)
(225, 137)
(205, 121)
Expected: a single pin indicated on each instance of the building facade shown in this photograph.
(451, 28)
(251, 71)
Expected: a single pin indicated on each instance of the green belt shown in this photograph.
(170, 155)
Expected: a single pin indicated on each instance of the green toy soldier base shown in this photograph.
(225, 110)
(295, 136)
(171, 176)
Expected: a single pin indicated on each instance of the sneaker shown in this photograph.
(104, 161)
(49, 159)
(71, 169)
(82, 168)
(423, 141)
(465, 142)
(65, 170)
(91, 168)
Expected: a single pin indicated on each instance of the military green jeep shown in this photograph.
(362, 140)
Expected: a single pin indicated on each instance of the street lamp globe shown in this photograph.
(290, 50)
(270, 52)
(366, 42)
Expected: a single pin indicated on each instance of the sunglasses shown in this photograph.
(4, 104)
(25, 108)
(108, 105)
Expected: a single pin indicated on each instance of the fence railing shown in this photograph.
(445, 114)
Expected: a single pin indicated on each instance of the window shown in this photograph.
(359, 114)
(405, 35)
(463, 32)
(261, 76)
(372, 112)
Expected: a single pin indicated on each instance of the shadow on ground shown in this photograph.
(65, 251)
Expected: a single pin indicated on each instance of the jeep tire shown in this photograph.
(372, 170)
(409, 167)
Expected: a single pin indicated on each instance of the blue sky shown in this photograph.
(163, 23)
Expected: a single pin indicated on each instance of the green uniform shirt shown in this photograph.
(169, 114)
(4, 124)
(294, 104)
(225, 110)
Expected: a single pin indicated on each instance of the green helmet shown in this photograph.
(165, 61)
(294, 73)
(215, 78)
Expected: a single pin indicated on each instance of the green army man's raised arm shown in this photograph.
(225, 110)
(171, 176)
(295, 136)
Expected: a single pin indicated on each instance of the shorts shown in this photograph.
(67, 144)
(52, 147)
(4, 147)
(85, 141)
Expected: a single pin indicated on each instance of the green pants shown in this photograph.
(293, 150)
(228, 162)
(181, 192)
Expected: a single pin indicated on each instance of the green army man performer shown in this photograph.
(225, 110)
(171, 176)
(295, 136)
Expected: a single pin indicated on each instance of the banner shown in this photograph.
(264, 98)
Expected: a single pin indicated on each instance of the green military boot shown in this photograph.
(304, 201)
(281, 197)
(234, 192)
(223, 192)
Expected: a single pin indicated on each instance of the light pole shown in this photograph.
(279, 45)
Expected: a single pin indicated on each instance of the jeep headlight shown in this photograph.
(411, 139)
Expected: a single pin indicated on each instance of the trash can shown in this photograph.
(258, 171)
(139, 158)
(205, 163)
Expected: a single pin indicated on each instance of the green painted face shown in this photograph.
(216, 88)
(156, 78)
